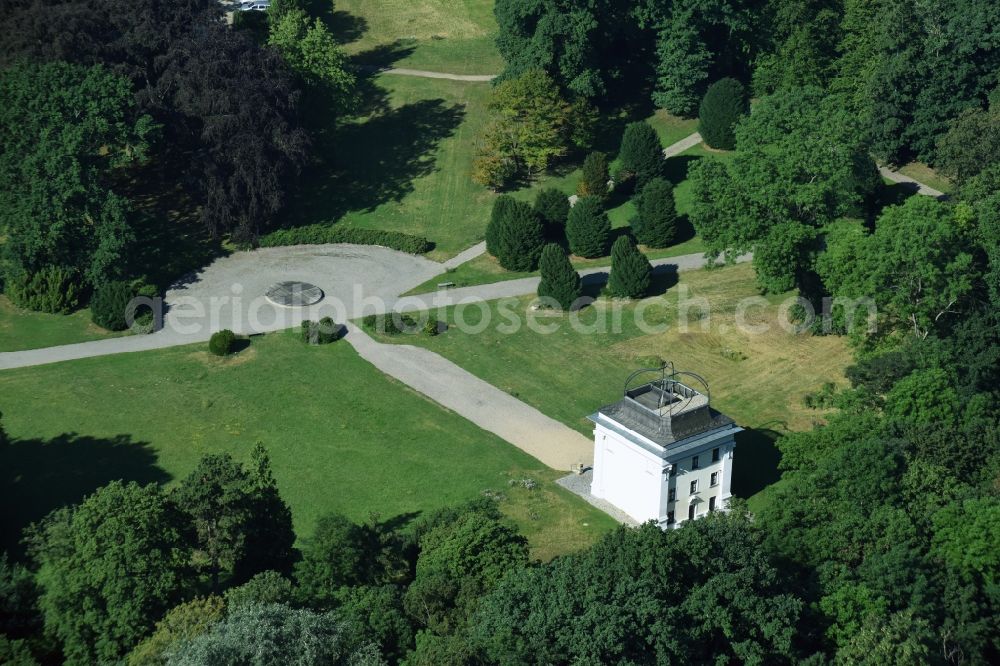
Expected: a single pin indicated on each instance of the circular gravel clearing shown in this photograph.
(294, 294)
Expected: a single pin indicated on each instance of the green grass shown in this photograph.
(485, 269)
(671, 128)
(342, 437)
(927, 175)
(24, 329)
(455, 36)
(758, 379)
(405, 166)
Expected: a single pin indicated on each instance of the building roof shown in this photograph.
(665, 411)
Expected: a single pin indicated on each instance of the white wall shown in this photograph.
(685, 475)
(636, 480)
(627, 475)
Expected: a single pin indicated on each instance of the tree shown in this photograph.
(655, 224)
(65, 129)
(723, 105)
(971, 144)
(495, 162)
(916, 266)
(631, 273)
(595, 176)
(801, 40)
(458, 562)
(560, 282)
(906, 70)
(519, 237)
(109, 304)
(241, 530)
(532, 124)
(109, 568)
(267, 587)
(799, 161)
(588, 228)
(334, 558)
(587, 47)
(377, 614)
(502, 207)
(552, 207)
(311, 51)
(695, 40)
(641, 154)
(724, 602)
(241, 103)
(261, 634)
(181, 623)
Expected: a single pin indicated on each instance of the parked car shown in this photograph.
(255, 5)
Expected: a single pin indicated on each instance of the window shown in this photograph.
(691, 512)
(670, 517)
(715, 454)
(672, 495)
(694, 486)
(711, 504)
(715, 479)
(694, 463)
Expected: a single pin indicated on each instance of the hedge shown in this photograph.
(317, 234)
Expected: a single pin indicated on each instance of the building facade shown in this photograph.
(662, 453)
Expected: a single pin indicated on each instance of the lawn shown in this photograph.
(621, 210)
(927, 175)
(342, 437)
(758, 379)
(405, 166)
(24, 329)
(455, 36)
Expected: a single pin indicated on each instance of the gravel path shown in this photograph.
(525, 286)
(447, 384)
(682, 145)
(897, 177)
(439, 75)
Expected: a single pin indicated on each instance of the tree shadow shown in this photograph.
(38, 476)
(382, 56)
(675, 169)
(344, 26)
(376, 161)
(756, 461)
(664, 277)
(173, 241)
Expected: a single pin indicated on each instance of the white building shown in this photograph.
(662, 453)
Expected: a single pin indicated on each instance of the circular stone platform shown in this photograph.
(294, 294)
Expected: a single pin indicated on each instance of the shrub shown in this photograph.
(109, 303)
(588, 228)
(595, 176)
(560, 281)
(222, 343)
(434, 326)
(656, 222)
(552, 207)
(51, 289)
(631, 273)
(321, 332)
(518, 237)
(318, 234)
(641, 154)
(389, 324)
(725, 102)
